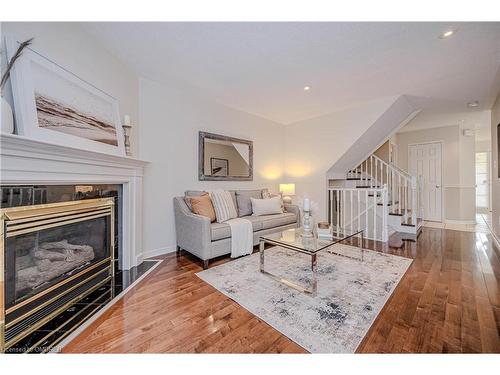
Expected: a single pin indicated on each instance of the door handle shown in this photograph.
(438, 186)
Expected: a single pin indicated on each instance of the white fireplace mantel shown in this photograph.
(28, 161)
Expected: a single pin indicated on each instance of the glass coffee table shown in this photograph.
(293, 239)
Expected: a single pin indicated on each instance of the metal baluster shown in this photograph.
(351, 212)
(393, 192)
(371, 171)
(384, 216)
(399, 191)
(375, 214)
(406, 199)
(330, 205)
(362, 174)
(343, 209)
(337, 204)
(414, 200)
(389, 183)
(366, 211)
(359, 209)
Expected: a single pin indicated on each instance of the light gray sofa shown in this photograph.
(206, 240)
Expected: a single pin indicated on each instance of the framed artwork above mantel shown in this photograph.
(53, 105)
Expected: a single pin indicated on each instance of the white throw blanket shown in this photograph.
(241, 237)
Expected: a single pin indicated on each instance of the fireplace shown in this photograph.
(51, 257)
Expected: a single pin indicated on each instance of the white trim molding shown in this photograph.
(28, 161)
(156, 252)
(458, 186)
(468, 222)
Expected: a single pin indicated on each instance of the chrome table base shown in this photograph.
(314, 267)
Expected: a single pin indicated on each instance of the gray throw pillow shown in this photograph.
(244, 202)
(233, 197)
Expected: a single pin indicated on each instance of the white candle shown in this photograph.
(126, 120)
(307, 204)
(288, 235)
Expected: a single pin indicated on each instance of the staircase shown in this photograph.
(377, 197)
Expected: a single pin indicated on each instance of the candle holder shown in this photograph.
(126, 134)
(307, 232)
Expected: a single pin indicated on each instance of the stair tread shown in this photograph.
(408, 224)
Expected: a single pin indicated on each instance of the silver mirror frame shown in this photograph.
(201, 154)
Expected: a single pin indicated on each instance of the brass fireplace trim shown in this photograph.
(85, 311)
(24, 223)
(2, 287)
(48, 290)
(54, 209)
(20, 220)
(55, 313)
(53, 225)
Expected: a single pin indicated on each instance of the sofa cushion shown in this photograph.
(243, 200)
(269, 206)
(220, 231)
(256, 222)
(265, 193)
(278, 220)
(192, 193)
(233, 196)
(223, 205)
(203, 206)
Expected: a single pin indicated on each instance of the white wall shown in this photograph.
(458, 156)
(483, 146)
(495, 178)
(80, 53)
(170, 119)
(313, 146)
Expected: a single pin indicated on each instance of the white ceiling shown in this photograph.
(262, 68)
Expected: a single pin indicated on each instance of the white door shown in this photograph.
(424, 161)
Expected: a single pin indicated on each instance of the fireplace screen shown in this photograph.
(52, 256)
(41, 259)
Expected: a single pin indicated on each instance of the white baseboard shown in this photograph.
(154, 253)
(496, 239)
(160, 251)
(469, 222)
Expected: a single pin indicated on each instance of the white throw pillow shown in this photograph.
(223, 205)
(266, 206)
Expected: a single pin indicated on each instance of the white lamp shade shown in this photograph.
(287, 189)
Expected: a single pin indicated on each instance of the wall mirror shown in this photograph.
(222, 158)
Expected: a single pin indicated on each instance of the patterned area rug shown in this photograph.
(350, 294)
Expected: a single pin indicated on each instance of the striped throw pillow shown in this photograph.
(223, 205)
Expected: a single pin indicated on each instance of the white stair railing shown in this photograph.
(360, 209)
(404, 191)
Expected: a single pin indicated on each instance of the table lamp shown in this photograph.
(287, 190)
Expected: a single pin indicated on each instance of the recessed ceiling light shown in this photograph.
(447, 34)
(473, 104)
(307, 88)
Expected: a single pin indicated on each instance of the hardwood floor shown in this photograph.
(448, 302)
